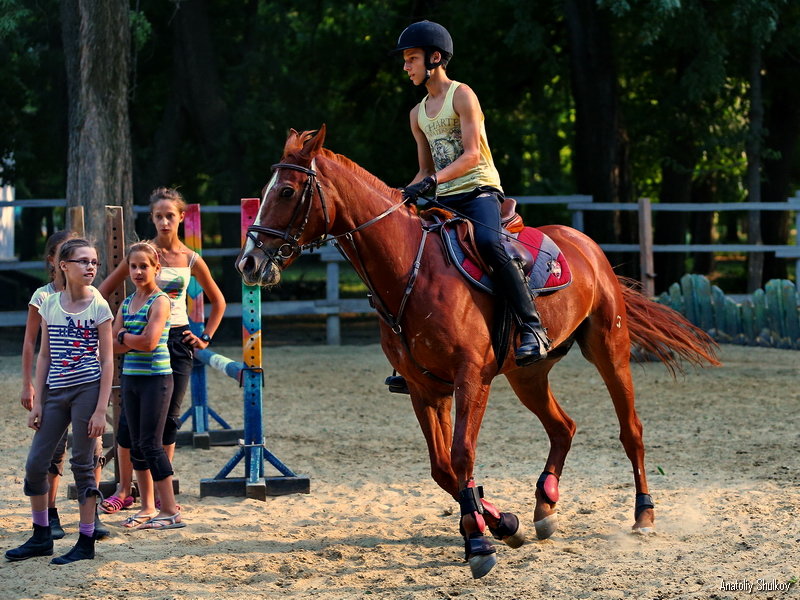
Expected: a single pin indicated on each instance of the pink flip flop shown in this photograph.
(114, 504)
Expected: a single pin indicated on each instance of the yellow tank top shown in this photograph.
(444, 138)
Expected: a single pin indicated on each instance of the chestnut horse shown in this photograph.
(436, 327)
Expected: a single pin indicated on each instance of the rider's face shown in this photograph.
(414, 64)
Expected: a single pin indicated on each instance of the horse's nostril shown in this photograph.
(245, 264)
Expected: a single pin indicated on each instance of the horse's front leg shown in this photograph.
(476, 512)
(433, 415)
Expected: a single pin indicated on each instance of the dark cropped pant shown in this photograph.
(60, 407)
(145, 402)
(181, 357)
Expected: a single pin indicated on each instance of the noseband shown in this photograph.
(292, 245)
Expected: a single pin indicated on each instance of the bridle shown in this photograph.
(293, 245)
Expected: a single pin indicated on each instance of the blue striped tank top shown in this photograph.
(138, 362)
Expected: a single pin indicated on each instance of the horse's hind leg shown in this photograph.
(610, 353)
(533, 389)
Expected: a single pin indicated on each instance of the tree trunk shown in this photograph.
(601, 163)
(671, 227)
(96, 37)
(782, 119)
(702, 225)
(755, 264)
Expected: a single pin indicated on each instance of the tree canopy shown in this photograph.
(615, 98)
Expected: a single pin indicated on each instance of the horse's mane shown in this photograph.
(294, 150)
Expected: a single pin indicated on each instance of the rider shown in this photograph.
(456, 164)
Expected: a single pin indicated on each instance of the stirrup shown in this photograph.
(397, 384)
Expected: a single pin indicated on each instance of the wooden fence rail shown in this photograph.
(332, 305)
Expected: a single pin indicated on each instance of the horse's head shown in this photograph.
(292, 212)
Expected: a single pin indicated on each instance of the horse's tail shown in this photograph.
(663, 332)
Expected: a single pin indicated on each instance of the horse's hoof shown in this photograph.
(516, 539)
(546, 527)
(643, 530)
(481, 564)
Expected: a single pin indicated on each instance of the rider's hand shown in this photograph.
(415, 190)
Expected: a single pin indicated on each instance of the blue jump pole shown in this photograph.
(250, 374)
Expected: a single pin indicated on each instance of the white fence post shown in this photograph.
(7, 194)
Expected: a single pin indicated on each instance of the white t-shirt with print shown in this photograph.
(74, 340)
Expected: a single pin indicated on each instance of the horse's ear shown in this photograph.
(314, 144)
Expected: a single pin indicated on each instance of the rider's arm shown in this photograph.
(426, 166)
(468, 109)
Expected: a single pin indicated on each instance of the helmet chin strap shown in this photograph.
(429, 66)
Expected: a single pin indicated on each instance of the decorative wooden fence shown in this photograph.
(770, 317)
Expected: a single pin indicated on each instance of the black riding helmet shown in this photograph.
(430, 37)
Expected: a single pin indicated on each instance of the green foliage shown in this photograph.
(681, 68)
(141, 29)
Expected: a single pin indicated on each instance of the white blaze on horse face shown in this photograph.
(249, 245)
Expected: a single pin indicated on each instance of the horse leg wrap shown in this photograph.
(548, 487)
(501, 524)
(643, 502)
(469, 499)
(476, 544)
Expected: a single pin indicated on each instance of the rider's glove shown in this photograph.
(415, 190)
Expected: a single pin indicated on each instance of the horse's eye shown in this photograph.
(287, 192)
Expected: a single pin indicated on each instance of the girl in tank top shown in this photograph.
(178, 265)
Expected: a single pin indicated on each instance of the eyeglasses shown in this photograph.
(83, 262)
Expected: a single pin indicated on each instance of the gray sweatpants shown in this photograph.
(62, 406)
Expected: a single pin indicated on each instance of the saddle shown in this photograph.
(540, 257)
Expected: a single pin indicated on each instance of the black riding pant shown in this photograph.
(483, 209)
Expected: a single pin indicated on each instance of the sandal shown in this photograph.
(171, 522)
(114, 504)
(136, 520)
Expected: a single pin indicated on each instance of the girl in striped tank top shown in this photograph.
(140, 331)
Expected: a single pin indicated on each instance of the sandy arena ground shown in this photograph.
(723, 465)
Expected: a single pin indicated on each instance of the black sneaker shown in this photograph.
(100, 530)
(55, 524)
(39, 544)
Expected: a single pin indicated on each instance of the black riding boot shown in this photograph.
(82, 550)
(534, 342)
(39, 544)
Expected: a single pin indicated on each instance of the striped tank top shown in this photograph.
(138, 362)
